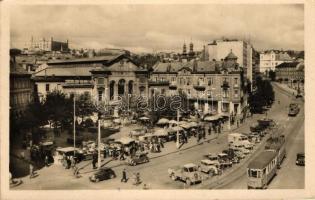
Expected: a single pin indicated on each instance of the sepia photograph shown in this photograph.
(156, 97)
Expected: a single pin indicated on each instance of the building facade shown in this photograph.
(212, 86)
(270, 59)
(21, 89)
(104, 78)
(218, 49)
(44, 44)
(291, 74)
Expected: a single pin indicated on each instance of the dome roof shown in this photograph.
(231, 56)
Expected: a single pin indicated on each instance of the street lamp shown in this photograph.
(177, 134)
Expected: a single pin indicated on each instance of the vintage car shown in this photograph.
(239, 154)
(300, 159)
(188, 173)
(211, 157)
(137, 159)
(293, 109)
(103, 174)
(243, 150)
(231, 155)
(209, 167)
(224, 160)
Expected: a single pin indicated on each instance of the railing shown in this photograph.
(159, 82)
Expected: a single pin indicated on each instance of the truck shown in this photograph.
(188, 173)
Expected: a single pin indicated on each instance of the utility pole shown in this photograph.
(74, 121)
(99, 142)
(177, 134)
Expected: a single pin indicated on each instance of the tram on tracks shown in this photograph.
(264, 167)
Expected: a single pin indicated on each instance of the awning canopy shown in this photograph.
(212, 118)
(125, 140)
(144, 118)
(175, 129)
(173, 122)
(163, 121)
(161, 132)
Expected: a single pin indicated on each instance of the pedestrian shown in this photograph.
(46, 161)
(31, 170)
(104, 153)
(138, 180)
(22, 155)
(209, 130)
(158, 147)
(122, 155)
(124, 176)
(68, 162)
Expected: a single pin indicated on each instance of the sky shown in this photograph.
(152, 28)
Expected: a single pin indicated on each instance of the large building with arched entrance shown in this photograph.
(106, 78)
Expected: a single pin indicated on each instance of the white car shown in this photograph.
(209, 167)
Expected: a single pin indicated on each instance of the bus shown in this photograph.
(261, 170)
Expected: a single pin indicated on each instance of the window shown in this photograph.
(163, 91)
(188, 81)
(47, 87)
(235, 81)
(100, 95)
(100, 81)
(235, 93)
(210, 81)
(225, 94)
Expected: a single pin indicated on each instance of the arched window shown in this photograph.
(121, 87)
(130, 87)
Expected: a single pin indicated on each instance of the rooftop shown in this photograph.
(85, 60)
(297, 65)
(262, 160)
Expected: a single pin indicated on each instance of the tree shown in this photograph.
(59, 109)
(262, 96)
(84, 105)
(272, 75)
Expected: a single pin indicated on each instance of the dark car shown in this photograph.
(103, 174)
(300, 159)
(137, 159)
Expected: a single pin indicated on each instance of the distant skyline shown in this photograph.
(148, 28)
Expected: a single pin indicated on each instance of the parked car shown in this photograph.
(103, 174)
(224, 160)
(239, 154)
(231, 155)
(188, 173)
(211, 156)
(138, 158)
(293, 109)
(300, 159)
(209, 167)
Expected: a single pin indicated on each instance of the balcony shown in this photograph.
(200, 87)
(159, 83)
(78, 85)
(173, 85)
